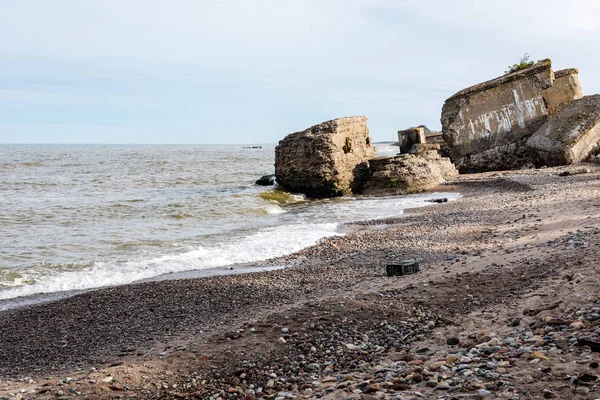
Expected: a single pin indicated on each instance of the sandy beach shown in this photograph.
(506, 305)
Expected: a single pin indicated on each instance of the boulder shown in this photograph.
(410, 173)
(487, 125)
(326, 160)
(266, 180)
(571, 136)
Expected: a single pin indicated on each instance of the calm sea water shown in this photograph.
(84, 216)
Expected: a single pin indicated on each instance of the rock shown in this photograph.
(571, 136)
(440, 200)
(364, 396)
(326, 160)
(487, 125)
(408, 173)
(451, 358)
(312, 367)
(577, 325)
(281, 340)
(452, 341)
(443, 385)
(578, 171)
(266, 180)
(435, 366)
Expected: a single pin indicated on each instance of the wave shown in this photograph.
(264, 244)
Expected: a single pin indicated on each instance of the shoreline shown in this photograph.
(231, 269)
(507, 244)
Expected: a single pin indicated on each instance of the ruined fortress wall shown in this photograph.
(486, 125)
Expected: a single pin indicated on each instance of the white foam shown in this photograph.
(264, 244)
(273, 209)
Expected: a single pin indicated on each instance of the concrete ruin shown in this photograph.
(409, 137)
(421, 170)
(335, 158)
(487, 125)
(326, 160)
(571, 136)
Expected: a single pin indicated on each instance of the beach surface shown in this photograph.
(506, 305)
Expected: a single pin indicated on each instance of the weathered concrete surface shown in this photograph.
(437, 138)
(410, 173)
(564, 90)
(571, 136)
(408, 137)
(486, 125)
(329, 159)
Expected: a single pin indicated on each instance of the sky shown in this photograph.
(252, 71)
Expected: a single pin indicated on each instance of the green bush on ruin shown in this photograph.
(524, 63)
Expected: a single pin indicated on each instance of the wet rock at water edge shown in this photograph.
(266, 180)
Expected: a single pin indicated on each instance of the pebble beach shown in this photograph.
(505, 305)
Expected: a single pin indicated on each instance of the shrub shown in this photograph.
(523, 64)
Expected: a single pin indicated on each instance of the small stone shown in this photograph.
(313, 367)
(443, 385)
(432, 382)
(270, 383)
(452, 341)
(524, 350)
(451, 358)
(281, 340)
(434, 366)
(577, 325)
(365, 396)
(484, 392)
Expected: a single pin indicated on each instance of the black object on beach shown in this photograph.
(440, 200)
(405, 267)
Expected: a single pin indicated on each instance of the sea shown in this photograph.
(78, 217)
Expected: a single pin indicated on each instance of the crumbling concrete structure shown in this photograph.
(571, 136)
(486, 125)
(409, 137)
(421, 170)
(326, 160)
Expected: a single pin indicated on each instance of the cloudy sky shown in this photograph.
(251, 71)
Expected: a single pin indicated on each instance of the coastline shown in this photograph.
(203, 327)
